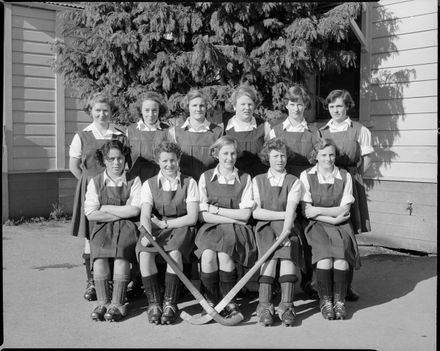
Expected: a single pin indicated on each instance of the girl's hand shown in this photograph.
(286, 241)
(310, 211)
(157, 222)
(342, 217)
(213, 209)
(145, 241)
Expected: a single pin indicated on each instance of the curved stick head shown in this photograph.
(200, 320)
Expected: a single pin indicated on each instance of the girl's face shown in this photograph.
(277, 160)
(101, 112)
(326, 157)
(197, 109)
(296, 109)
(114, 163)
(338, 110)
(150, 112)
(227, 156)
(168, 163)
(244, 108)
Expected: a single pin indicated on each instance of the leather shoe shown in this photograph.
(98, 313)
(113, 314)
(90, 293)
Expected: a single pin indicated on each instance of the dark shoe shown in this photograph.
(310, 291)
(287, 315)
(90, 293)
(114, 314)
(154, 313)
(352, 295)
(98, 313)
(326, 307)
(339, 308)
(265, 312)
(169, 314)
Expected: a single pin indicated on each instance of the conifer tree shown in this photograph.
(125, 48)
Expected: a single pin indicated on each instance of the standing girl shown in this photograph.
(146, 135)
(354, 144)
(84, 166)
(276, 195)
(326, 203)
(170, 204)
(195, 136)
(113, 203)
(299, 137)
(249, 132)
(225, 239)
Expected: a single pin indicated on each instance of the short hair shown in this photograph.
(99, 97)
(167, 146)
(276, 144)
(151, 95)
(296, 92)
(339, 93)
(220, 142)
(321, 144)
(245, 90)
(103, 151)
(193, 94)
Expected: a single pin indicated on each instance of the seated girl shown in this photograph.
(170, 205)
(328, 195)
(224, 239)
(276, 196)
(113, 204)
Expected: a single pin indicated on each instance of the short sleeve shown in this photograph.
(256, 192)
(306, 194)
(146, 196)
(347, 196)
(295, 193)
(75, 149)
(246, 197)
(135, 193)
(203, 205)
(193, 191)
(365, 141)
(91, 201)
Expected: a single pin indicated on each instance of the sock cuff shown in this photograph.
(209, 277)
(266, 279)
(288, 278)
(97, 276)
(121, 277)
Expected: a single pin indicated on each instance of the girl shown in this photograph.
(276, 196)
(195, 135)
(113, 203)
(326, 203)
(170, 204)
(299, 137)
(84, 166)
(247, 130)
(146, 135)
(354, 143)
(225, 239)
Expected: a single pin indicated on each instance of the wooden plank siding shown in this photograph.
(404, 115)
(403, 90)
(33, 90)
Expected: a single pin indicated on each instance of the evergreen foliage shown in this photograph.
(125, 48)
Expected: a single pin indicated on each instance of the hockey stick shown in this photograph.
(234, 291)
(233, 320)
